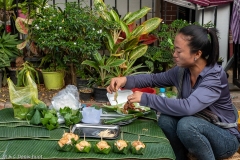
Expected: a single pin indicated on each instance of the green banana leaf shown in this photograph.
(47, 150)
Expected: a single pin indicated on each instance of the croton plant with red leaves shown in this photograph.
(128, 41)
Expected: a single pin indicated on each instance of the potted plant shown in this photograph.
(32, 53)
(85, 93)
(102, 64)
(127, 41)
(124, 44)
(54, 73)
(75, 32)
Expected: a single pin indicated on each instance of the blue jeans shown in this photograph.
(203, 139)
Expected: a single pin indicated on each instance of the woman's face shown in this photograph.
(182, 55)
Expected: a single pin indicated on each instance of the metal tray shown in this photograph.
(92, 130)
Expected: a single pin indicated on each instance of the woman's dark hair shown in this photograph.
(203, 39)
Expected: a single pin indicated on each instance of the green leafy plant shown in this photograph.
(128, 46)
(24, 26)
(50, 119)
(22, 74)
(8, 49)
(123, 40)
(73, 34)
(103, 65)
(166, 36)
(8, 4)
(70, 116)
(36, 113)
(33, 7)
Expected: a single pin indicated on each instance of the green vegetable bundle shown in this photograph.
(50, 119)
(70, 116)
(36, 113)
(123, 118)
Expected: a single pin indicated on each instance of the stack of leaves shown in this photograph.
(70, 116)
(50, 119)
(36, 113)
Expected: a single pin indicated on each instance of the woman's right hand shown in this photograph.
(116, 83)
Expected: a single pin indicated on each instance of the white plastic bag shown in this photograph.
(69, 96)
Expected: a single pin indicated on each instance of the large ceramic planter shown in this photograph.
(100, 94)
(53, 80)
(85, 93)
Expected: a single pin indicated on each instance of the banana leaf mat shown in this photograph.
(23, 132)
(22, 140)
(144, 127)
(30, 149)
(151, 115)
(7, 116)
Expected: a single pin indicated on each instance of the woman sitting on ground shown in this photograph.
(204, 87)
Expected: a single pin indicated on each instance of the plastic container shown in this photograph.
(147, 90)
(91, 115)
(121, 98)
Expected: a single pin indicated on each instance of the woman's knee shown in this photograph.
(166, 121)
(186, 123)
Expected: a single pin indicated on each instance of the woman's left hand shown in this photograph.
(135, 97)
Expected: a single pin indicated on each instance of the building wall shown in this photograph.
(223, 20)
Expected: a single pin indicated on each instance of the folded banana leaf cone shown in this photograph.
(121, 146)
(137, 147)
(82, 147)
(67, 142)
(102, 147)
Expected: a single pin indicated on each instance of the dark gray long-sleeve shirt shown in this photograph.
(210, 90)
